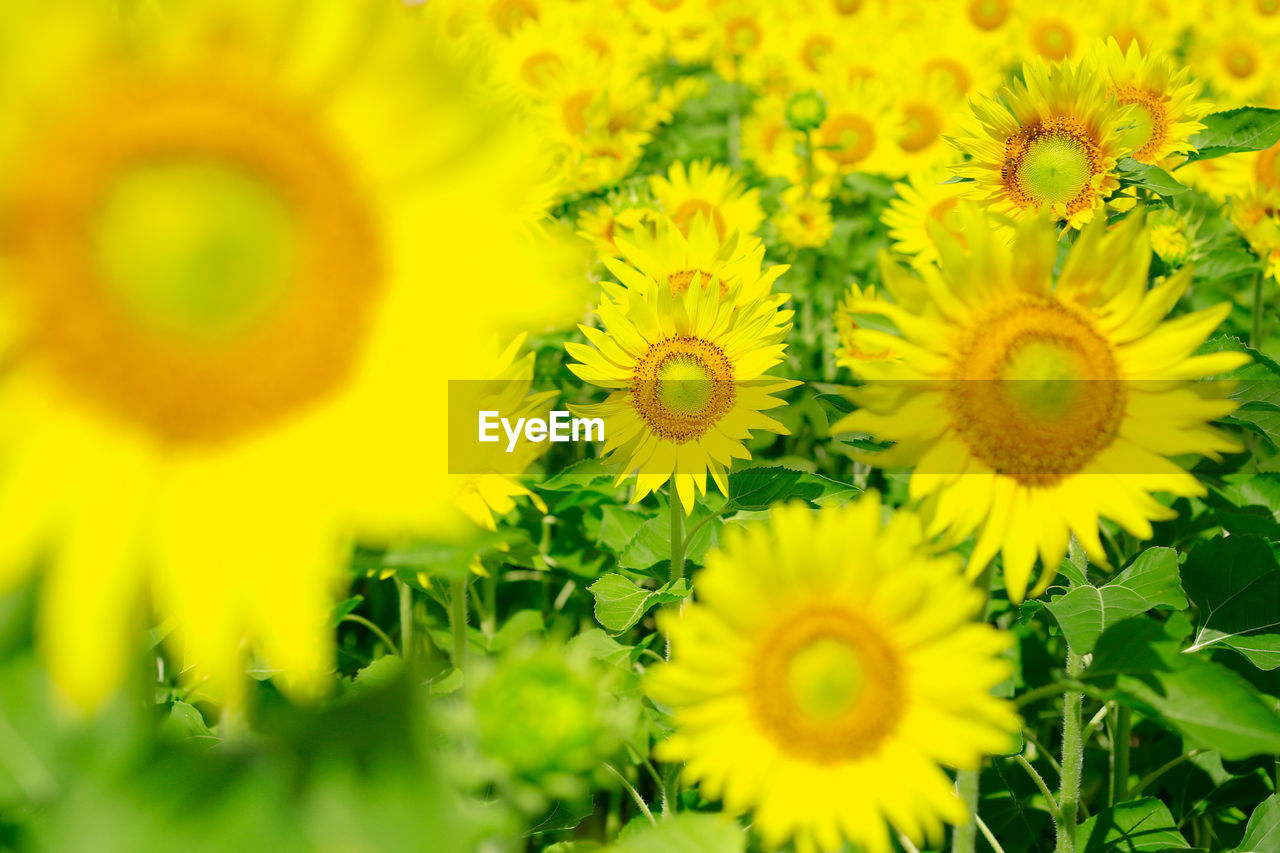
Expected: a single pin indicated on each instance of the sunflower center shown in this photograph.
(1267, 7)
(682, 386)
(573, 111)
(680, 281)
(1267, 167)
(988, 14)
(921, 127)
(198, 261)
(817, 49)
(1150, 119)
(509, 15)
(1240, 61)
(538, 68)
(685, 213)
(743, 35)
(847, 7)
(1053, 39)
(826, 686)
(848, 138)
(211, 269)
(1053, 163)
(1055, 169)
(1036, 394)
(954, 72)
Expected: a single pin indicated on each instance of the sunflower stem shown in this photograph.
(1255, 333)
(458, 622)
(406, 620)
(1120, 755)
(1072, 757)
(677, 538)
(964, 838)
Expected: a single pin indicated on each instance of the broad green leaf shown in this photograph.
(1086, 611)
(1243, 129)
(1149, 177)
(620, 603)
(1140, 825)
(345, 609)
(684, 833)
(1234, 582)
(563, 816)
(652, 542)
(759, 488)
(1262, 835)
(618, 527)
(1140, 661)
(1224, 264)
(186, 721)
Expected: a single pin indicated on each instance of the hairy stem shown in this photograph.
(458, 622)
(1072, 758)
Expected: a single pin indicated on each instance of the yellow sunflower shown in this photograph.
(1032, 405)
(927, 108)
(768, 143)
(1238, 174)
(601, 225)
(1166, 107)
(1257, 215)
(828, 675)
(217, 257)
(711, 191)
(489, 485)
(923, 200)
(1054, 31)
(804, 221)
(1049, 142)
(689, 383)
(849, 319)
(1240, 63)
(859, 132)
(666, 255)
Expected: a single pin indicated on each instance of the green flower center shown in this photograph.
(206, 268)
(1055, 169)
(684, 385)
(825, 678)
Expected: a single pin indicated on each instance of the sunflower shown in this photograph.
(849, 319)
(701, 259)
(688, 375)
(218, 259)
(768, 143)
(1031, 407)
(1257, 215)
(487, 485)
(601, 225)
(804, 222)
(859, 133)
(828, 674)
(1240, 63)
(704, 190)
(927, 109)
(923, 199)
(1166, 104)
(1239, 174)
(1049, 142)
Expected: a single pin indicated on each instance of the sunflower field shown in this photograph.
(639, 426)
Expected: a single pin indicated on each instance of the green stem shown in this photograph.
(1049, 799)
(964, 839)
(1151, 777)
(677, 537)
(635, 795)
(1072, 757)
(1120, 755)
(406, 619)
(458, 622)
(1255, 334)
(381, 634)
(809, 166)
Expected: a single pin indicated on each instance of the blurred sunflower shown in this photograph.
(688, 373)
(1238, 174)
(1240, 63)
(711, 191)
(828, 673)
(858, 134)
(804, 222)
(1166, 107)
(1049, 142)
(601, 225)
(1257, 215)
(1032, 407)
(217, 261)
(667, 255)
(852, 351)
(768, 143)
(927, 107)
(923, 199)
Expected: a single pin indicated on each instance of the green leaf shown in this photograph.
(345, 609)
(1234, 582)
(563, 816)
(652, 542)
(1243, 129)
(1086, 611)
(620, 603)
(684, 833)
(382, 672)
(618, 527)
(1148, 177)
(753, 489)
(1225, 264)
(1262, 835)
(1140, 825)
(186, 721)
(1140, 661)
